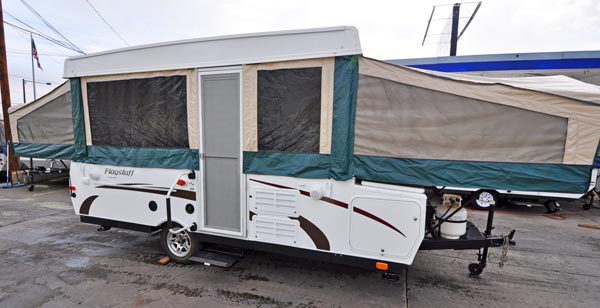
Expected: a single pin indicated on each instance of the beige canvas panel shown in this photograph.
(572, 141)
(497, 93)
(193, 112)
(558, 85)
(86, 111)
(398, 120)
(13, 131)
(250, 108)
(192, 98)
(587, 143)
(250, 96)
(582, 142)
(18, 112)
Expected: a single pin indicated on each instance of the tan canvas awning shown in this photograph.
(530, 135)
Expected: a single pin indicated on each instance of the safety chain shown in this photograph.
(504, 256)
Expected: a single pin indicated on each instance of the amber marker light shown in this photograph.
(381, 266)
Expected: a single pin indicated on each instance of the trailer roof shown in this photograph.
(219, 51)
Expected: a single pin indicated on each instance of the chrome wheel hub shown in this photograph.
(485, 199)
(179, 244)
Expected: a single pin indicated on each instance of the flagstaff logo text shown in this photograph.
(116, 172)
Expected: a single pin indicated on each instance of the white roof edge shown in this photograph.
(219, 51)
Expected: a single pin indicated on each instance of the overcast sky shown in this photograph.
(388, 29)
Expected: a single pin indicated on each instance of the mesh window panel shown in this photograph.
(399, 120)
(289, 110)
(51, 123)
(139, 113)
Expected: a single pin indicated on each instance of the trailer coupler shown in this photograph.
(482, 256)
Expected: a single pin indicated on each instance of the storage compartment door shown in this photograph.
(388, 228)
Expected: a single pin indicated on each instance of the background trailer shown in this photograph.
(43, 129)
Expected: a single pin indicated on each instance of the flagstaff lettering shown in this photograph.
(117, 172)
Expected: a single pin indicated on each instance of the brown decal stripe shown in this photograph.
(315, 234)
(306, 193)
(271, 184)
(336, 202)
(184, 194)
(340, 204)
(87, 203)
(377, 219)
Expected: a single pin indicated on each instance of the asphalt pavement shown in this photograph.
(49, 259)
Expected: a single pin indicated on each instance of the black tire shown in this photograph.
(483, 195)
(189, 246)
(475, 269)
(552, 206)
(587, 206)
(30, 188)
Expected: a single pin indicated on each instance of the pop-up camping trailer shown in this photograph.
(44, 129)
(295, 143)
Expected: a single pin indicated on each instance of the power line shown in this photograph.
(51, 39)
(29, 78)
(41, 54)
(106, 22)
(51, 27)
(22, 22)
(39, 33)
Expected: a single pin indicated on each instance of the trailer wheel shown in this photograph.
(475, 269)
(483, 198)
(178, 246)
(587, 206)
(552, 206)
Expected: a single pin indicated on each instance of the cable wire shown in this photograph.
(51, 39)
(41, 54)
(106, 22)
(35, 31)
(52, 27)
(20, 21)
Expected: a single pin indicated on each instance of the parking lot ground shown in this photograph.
(49, 259)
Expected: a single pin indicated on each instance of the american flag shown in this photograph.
(34, 53)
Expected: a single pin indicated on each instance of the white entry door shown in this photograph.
(220, 152)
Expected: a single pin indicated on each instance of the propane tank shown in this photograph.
(455, 226)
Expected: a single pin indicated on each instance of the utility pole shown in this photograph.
(4, 87)
(454, 33)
